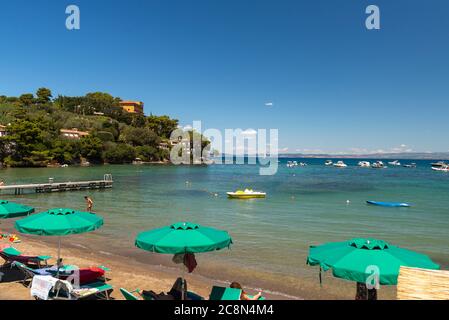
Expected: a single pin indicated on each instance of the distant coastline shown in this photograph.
(408, 156)
(394, 156)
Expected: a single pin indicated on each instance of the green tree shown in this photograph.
(43, 95)
(66, 151)
(26, 99)
(120, 153)
(139, 137)
(92, 148)
(162, 125)
(25, 140)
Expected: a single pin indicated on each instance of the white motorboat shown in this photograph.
(442, 169)
(395, 163)
(439, 164)
(378, 165)
(340, 164)
(328, 163)
(410, 165)
(364, 164)
(291, 164)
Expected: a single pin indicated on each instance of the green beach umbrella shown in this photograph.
(59, 222)
(182, 238)
(13, 210)
(354, 260)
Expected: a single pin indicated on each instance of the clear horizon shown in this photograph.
(308, 68)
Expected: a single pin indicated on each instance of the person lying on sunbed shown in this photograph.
(244, 295)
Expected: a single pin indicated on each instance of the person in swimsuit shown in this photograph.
(244, 295)
(89, 203)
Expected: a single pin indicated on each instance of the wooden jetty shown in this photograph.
(60, 186)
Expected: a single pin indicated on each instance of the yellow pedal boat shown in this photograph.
(246, 194)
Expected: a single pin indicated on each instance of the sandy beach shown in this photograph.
(125, 272)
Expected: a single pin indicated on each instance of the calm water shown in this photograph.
(305, 205)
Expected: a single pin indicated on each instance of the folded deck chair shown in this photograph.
(11, 254)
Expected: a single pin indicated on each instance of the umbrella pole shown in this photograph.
(183, 283)
(361, 291)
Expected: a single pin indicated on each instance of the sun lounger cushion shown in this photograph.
(10, 251)
(12, 254)
(222, 293)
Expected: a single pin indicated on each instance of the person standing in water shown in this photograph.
(89, 203)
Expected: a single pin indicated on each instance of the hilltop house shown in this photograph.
(132, 106)
(3, 131)
(73, 133)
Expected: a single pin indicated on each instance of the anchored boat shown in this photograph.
(389, 204)
(364, 164)
(378, 165)
(395, 163)
(340, 164)
(246, 194)
(443, 169)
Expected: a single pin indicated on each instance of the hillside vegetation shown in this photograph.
(34, 121)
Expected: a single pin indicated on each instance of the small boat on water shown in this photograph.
(291, 164)
(246, 194)
(442, 169)
(302, 164)
(364, 164)
(389, 204)
(328, 163)
(340, 164)
(439, 164)
(395, 163)
(411, 165)
(378, 165)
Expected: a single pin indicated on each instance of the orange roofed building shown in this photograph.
(132, 106)
(73, 133)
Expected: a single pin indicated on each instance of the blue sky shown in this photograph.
(334, 85)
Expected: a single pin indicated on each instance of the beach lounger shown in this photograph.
(223, 293)
(174, 294)
(10, 254)
(50, 288)
(28, 272)
(87, 275)
(97, 290)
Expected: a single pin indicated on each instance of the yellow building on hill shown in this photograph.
(132, 106)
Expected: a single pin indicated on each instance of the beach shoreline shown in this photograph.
(153, 272)
(126, 272)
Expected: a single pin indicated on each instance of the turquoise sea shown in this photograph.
(304, 206)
